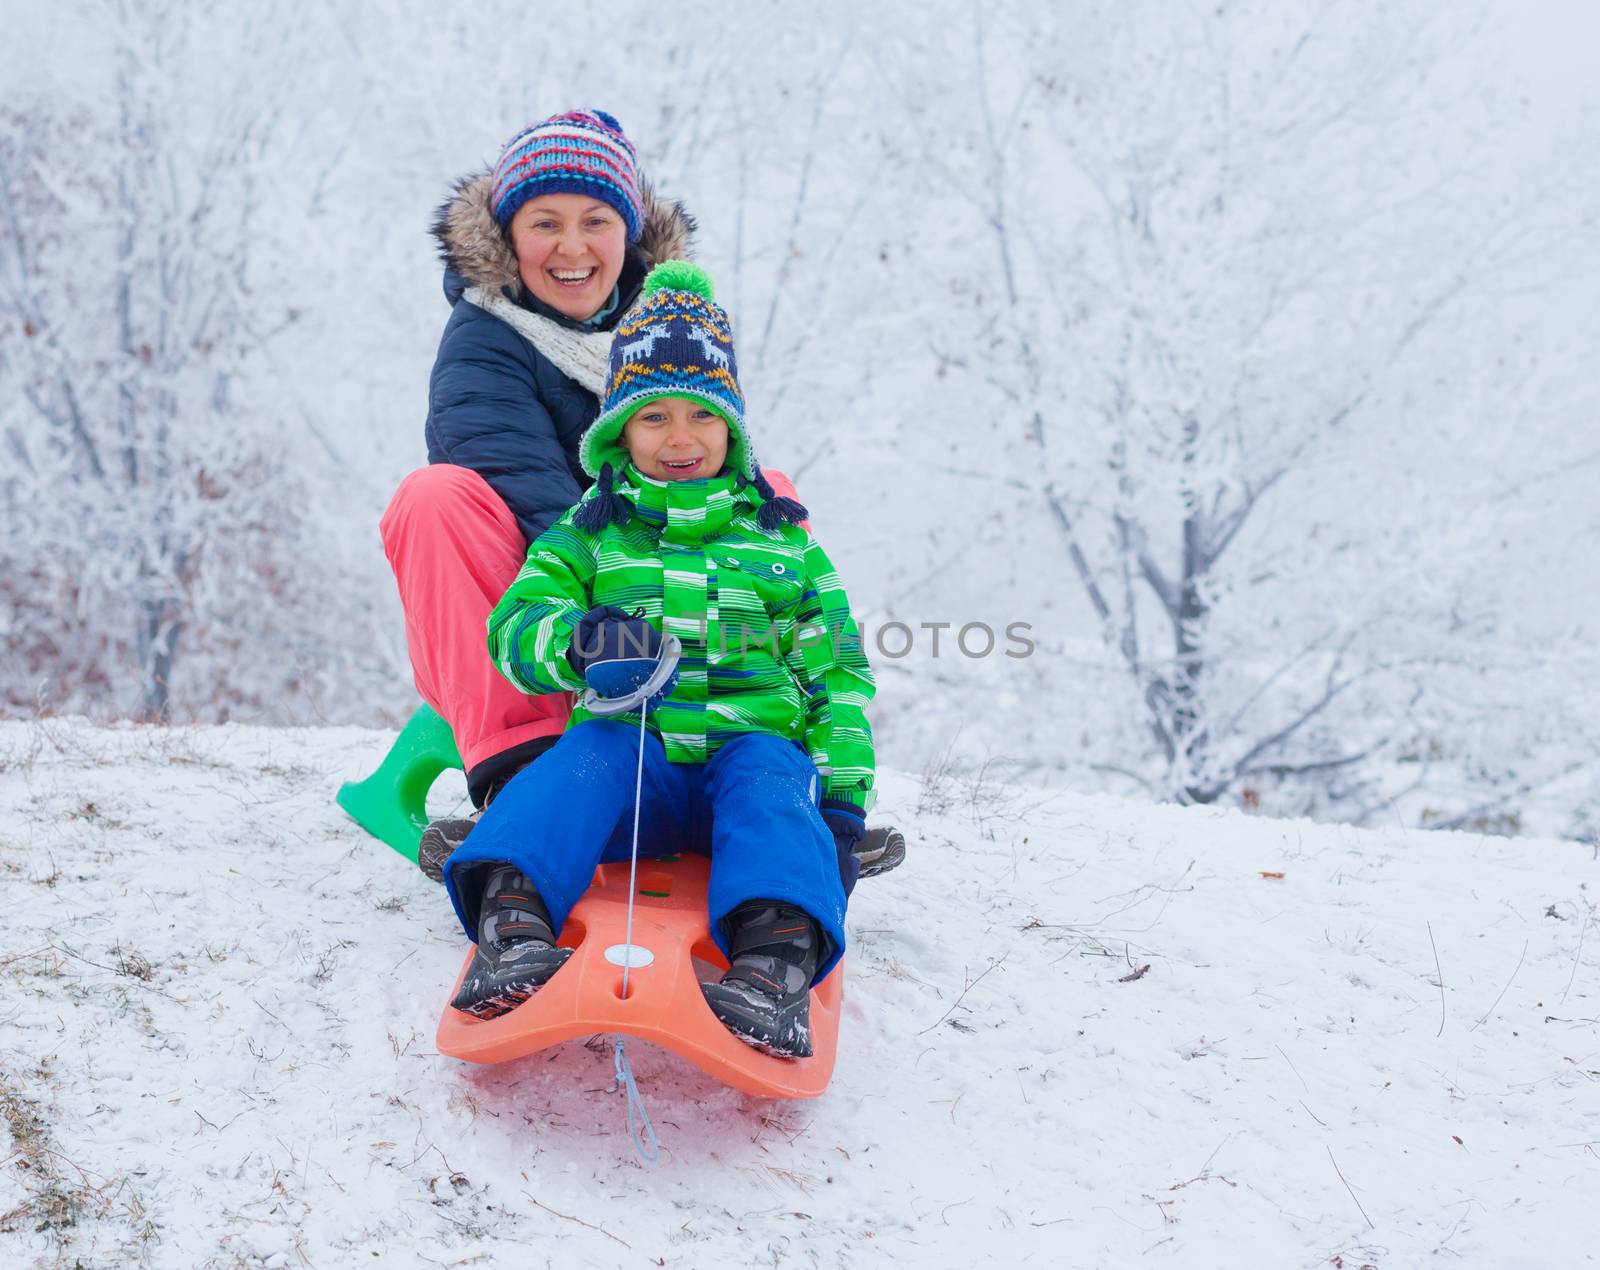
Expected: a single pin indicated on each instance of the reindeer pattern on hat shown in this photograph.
(642, 345)
(709, 346)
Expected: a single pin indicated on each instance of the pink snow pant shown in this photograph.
(455, 547)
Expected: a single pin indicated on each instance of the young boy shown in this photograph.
(758, 752)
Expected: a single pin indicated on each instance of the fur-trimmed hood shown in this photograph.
(472, 245)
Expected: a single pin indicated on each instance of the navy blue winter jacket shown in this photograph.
(496, 403)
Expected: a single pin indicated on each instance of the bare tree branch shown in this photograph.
(1521, 791)
(1332, 688)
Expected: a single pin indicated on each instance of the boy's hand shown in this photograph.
(616, 652)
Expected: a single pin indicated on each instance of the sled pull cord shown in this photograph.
(638, 1117)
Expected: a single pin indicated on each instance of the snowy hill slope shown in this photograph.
(218, 998)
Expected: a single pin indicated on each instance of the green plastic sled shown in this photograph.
(391, 804)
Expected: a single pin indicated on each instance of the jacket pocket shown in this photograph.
(774, 583)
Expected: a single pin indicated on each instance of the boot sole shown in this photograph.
(510, 996)
(726, 1004)
(881, 859)
(436, 847)
(756, 1044)
(496, 1006)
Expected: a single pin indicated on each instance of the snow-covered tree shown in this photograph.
(143, 484)
(1241, 350)
(1241, 268)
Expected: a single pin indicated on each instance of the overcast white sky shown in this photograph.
(1556, 45)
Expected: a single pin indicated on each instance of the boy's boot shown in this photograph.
(764, 998)
(516, 953)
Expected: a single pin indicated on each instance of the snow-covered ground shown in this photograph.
(1078, 1032)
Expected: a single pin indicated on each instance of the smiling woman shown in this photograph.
(543, 254)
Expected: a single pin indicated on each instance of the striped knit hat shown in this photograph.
(676, 343)
(580, 152)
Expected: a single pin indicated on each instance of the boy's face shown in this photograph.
(676, 439)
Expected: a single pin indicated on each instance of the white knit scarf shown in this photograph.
(583, 356)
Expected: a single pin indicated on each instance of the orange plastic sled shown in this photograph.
(664, 1003)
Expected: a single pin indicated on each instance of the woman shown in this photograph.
(543, 256)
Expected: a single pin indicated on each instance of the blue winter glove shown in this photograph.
(848, 826)
(616, 652)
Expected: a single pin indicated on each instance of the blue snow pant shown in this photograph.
(753, 809)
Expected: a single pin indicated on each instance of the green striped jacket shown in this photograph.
(769, 644)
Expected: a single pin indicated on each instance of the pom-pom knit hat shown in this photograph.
(676, 343)
(580, 152)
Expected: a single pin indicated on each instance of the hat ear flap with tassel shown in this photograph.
(775, 510)
(602, 506)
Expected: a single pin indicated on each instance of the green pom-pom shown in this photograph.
(679, 275)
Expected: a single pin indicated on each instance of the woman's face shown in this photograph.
(570, 250)
(676, 439)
